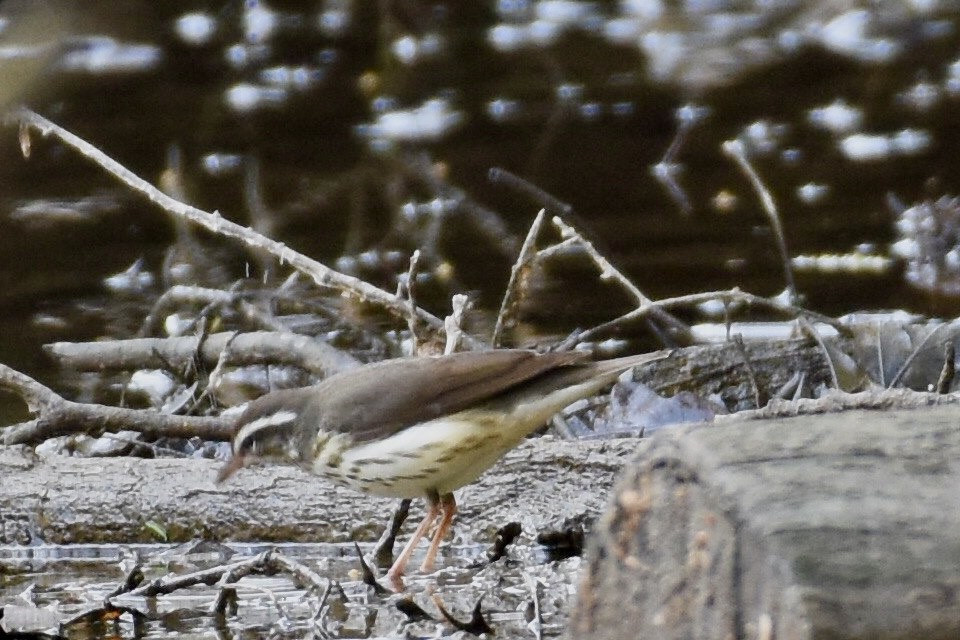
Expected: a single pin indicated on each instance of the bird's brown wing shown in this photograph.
(378, 400)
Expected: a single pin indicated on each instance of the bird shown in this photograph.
(420, 426)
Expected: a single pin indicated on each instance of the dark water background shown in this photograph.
(589, 122)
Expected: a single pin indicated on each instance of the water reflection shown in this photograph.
(65, 582)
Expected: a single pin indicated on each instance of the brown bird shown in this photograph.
(421, 426)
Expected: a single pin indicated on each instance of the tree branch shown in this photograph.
(57, 416)
(214, 222)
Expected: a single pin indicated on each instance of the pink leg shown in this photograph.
(448, 507)
(400, 564)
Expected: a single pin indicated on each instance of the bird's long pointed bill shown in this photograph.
(233, 465)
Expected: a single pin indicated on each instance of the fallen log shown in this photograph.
(819, 526)
(64, 500)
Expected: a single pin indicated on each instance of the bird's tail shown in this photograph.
(538, 400)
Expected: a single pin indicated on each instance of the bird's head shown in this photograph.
(268, 429)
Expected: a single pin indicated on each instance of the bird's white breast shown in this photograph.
(441, 455)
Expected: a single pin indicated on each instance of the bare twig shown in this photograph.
(455, 201)
(913, 355)
(307, 577)
(183, 294)
(477, 625)
(383, 550)
(751, 376)
(536, 623)
(157, 449)
(268, 561)
(255, 347)
(520, 269)
(839, 401)
(407, 289)
(57, 416)
(808, 327)
(453, 323)
(546, 200)
(948, 372)
(607, 270)
(610, 272)
(792, 387)
(261, 217)
(730, 296)
(736, 151)
(214, 222)
(368, 576)
(211, 575)
(665, 171)
(573, 237)
(215, 376)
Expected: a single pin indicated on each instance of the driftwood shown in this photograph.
(253, 347)
(832, 526)
(63, 499)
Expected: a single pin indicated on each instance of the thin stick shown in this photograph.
(383, 550)
(453, 323)
(573, 237)
(187, 294)
(547, 201)
(253, 347)
(748, 367)
(948, 372)
(607, 270)
(536, 624)
(913, 355)
(216, 375)
(171, 583)
(610, 272)
(214, 222)
(57, 416)
(808, 328)
(459, 203)
(406, 289)
(731, 295)
(735, 150)
(520, 268)
(665, 171)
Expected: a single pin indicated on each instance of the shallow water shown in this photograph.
(67, 581)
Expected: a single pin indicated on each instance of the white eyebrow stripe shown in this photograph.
(272, 420)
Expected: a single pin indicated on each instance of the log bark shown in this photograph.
(62, 500)
(820, 526)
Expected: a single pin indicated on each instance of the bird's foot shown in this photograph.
(395, 580)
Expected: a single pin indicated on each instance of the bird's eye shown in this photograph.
(246, 446)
